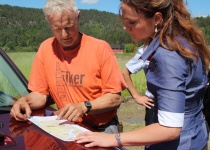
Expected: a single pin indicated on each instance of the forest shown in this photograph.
(23, 29)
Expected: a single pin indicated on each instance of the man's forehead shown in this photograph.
(61, 17)
(70, 14)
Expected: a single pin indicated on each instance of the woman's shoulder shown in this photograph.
(172, 58)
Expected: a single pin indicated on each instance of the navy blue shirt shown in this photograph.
(178, 86)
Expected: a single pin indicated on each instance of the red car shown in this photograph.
(16, 135)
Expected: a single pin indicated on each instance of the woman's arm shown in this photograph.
(150, 134)
(142, 100)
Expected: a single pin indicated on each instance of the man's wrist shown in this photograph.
(88, 105)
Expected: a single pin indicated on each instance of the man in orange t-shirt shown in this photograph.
(80, 72)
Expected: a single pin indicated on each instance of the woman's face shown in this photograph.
(137, 25)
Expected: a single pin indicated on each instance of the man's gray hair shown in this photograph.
(59, 6)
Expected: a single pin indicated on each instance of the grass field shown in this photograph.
(23, 60)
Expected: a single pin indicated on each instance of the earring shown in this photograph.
(156, 30)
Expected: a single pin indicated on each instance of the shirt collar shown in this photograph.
(152, 47)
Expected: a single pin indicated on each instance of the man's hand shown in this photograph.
(21, 110)
(71, 112)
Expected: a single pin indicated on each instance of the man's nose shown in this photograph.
(64, 33)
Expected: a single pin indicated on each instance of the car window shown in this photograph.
(13, 84)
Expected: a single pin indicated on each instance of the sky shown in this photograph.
(197, 8)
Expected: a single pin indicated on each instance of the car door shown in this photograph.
(13, 83)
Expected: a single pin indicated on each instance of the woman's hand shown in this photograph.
(96, 139)
(145, 101)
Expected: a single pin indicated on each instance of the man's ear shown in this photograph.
(78, 16)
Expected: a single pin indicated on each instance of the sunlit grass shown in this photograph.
(24, 61)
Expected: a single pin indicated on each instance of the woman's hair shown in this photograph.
(59, 6)
(177, 22)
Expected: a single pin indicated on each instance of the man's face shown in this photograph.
(65, 27)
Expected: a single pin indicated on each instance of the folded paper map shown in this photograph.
(61, 129)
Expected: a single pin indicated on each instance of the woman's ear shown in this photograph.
(158, 17)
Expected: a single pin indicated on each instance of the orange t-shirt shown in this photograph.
(77, 75)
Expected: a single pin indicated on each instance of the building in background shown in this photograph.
(117, 48)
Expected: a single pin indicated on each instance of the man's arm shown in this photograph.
(104, 103)
(21, 110)
(36, 100)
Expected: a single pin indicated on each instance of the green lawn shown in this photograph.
(23, 60)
